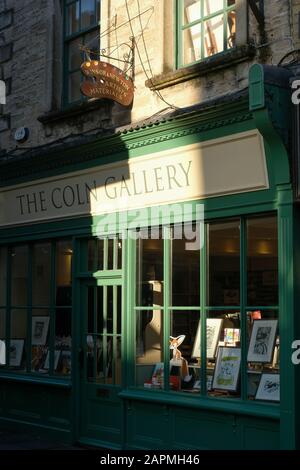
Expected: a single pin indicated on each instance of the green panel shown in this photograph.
(204, 431)
(147, 426)
(258, 435)
(256, 87)
(42, 406)
(102, 418)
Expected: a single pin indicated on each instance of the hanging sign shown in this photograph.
(106, 81)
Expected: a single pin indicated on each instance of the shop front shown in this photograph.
(147, 284)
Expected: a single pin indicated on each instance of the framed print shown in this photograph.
(253, 379)
(269, 388)
(16, 352)
(40, 327)
(262, 341)
(56, 359)
(158, 375)
(227, 370)
(2, 352)
(213, 330)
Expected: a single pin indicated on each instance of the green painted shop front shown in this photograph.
(95, 388)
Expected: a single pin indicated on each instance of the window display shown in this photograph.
(39, 308)
(209, 334)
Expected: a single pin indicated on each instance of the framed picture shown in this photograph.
(253, 379)
(56, 359)
(213, 330)
(2, 352)
(269, 388)
(227, 370)
(40, 327)
(16, 352)
(158, 375)
(262, 341)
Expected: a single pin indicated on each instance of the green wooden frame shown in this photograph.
(204, 308)
(216, 121)
(29, 308)
(181, 27)
(67, 38)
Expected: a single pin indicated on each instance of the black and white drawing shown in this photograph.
(262, 341)
(269, 388)
(213, 330)
(40, 327)
(16, 352)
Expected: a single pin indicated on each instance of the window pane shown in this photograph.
(262, 261)
(223, 354)
(110, 253)
(2, 323)
(17, 354)
(100, 254)
(3, 267)
(184, 372)
(213, 36)
(91, 254)
(64, 253)
(224, 263)
(98, 2)
(118, 363)
(191, 45)
(149, 349)
(100, 307)
(39, 339)
(212, 6)
(231, 29)
(92, 42)
(41, 274)
(63, 341)
(185, 266)
(149, 269)
(119, 252)
(19, 268)
(88, 17)
(2, 337)
(72, 18)
(192, 10)
(74, 86)
(75, 54)
(263, 355)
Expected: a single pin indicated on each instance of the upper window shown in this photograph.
(81, 28)
(205, 28)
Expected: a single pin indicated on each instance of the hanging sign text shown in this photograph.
(106, 81)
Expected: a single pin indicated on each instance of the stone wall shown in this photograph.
(31, 65)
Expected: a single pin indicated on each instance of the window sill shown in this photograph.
(260, 410)
(209, 65)
(30, 379)
(75, 110)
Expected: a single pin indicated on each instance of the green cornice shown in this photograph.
(119, 145)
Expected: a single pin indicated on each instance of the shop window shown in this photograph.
(215, 333)
(35, 316)
(205, 28)
(81, 28)
(103, 254)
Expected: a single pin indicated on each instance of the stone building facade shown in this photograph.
(31, 61)
(88, 300)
